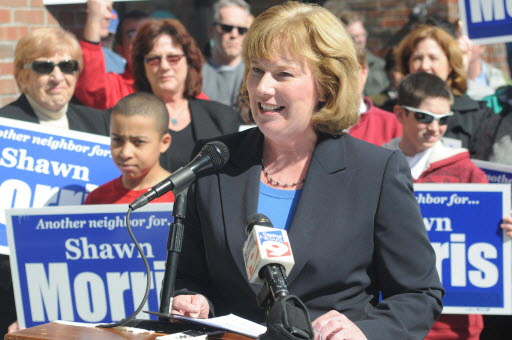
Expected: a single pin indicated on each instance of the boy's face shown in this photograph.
(417, 136)
(136, 144)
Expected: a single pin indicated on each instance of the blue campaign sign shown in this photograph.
(78, 263)
(473, 258)
(487, 21)
(496, 173)
(42, 166)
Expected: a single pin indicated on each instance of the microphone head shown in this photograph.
(218, 153)
(257, 219)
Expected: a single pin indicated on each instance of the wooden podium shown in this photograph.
(54, 331)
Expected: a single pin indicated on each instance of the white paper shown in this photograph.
(230, 323)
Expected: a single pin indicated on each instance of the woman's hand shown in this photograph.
(13, 327)
(506, 225)
(336, 326)
(193, 306)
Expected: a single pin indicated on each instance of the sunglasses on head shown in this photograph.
(172, 59)
(228, 28)
(46, 67)
(427, 117)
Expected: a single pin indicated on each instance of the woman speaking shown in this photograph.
(349, 208)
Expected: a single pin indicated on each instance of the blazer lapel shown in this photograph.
(239, 188)
(325, 179)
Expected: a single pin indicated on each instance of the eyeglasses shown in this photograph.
(228, 28)
(427, 117)
(172, 59)
(46, 67)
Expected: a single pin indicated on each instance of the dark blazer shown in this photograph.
(209, 119)
(357, 232)
(80, 118)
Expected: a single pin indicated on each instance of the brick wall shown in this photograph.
(17, 17)
(384, 18)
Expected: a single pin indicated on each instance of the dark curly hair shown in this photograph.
(144, 43)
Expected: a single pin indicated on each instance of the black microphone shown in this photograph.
(213, 156)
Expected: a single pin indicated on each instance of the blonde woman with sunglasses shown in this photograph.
(47, 63)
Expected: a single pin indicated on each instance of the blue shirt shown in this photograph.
(278, 205)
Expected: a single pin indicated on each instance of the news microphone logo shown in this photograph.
(265, 246)
(274, 244)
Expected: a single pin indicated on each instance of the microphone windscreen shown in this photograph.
(218, 153)
(257, 219)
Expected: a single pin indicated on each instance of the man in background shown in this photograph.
(377, 78)
(223, 71)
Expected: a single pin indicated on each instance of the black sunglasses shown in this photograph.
(228, 28)
(172, 59)
(426, 117)
(46, 67)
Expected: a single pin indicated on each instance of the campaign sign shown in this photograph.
(487, 21)
(496, 173)
(78, 263)
(43, 166)
(473, 257)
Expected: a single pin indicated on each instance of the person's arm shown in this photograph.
(97, 10)
(95, 87)
(403, 262)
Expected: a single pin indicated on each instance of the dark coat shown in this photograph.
(356, 225)
(80, 118)
(468, 116)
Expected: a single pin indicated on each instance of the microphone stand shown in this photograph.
(174, 244)
(164, 324)
(286, 315)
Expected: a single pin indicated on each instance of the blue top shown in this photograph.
(278, 205)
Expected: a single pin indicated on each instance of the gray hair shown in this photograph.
(226, 3)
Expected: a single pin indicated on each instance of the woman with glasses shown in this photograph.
(431, 49)
(348, 206)
(47, 63)
(167, 63)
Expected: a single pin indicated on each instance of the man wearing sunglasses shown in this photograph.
(223, 71)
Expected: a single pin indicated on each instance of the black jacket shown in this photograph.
(468, 116)
(80, 118)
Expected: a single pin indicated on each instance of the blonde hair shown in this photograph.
(457, 78)
(44, 43)
(316, 35)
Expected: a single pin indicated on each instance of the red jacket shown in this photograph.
(454, 169)
(99, 89)
(376, 126)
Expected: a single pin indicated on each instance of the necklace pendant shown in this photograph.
(174, 121)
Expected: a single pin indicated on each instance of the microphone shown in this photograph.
(213, 156)
(268, 258)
